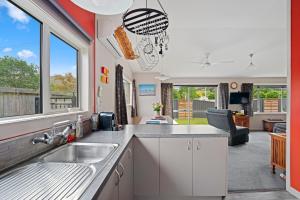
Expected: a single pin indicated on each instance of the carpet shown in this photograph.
(249, 166)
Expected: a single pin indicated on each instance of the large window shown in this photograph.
(38, 66)
(190, 103)
(20, 68)
(270, 98)
(63, 74)
(128, 91)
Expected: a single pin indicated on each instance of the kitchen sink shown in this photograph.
(46, 181)
(81, 153)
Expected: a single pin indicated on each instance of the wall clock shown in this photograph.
(233, 85)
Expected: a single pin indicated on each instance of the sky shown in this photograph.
(20, 38)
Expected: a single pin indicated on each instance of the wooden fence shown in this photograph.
(270, 105)
(17, 102)
(197, 108)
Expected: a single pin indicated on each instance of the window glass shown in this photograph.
(63, 74)
(19, 62)
(190, 103)
(127, 88)
(270, 98)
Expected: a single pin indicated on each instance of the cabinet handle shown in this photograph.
(129, 153)
(123, 169)
(198, 146)
(118, 177)
(189, 145)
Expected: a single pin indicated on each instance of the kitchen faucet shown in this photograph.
(49, 138)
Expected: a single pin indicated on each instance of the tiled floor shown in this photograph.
(274, 195)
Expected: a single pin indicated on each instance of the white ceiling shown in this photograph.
(229, 30)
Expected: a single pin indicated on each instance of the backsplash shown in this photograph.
(16, 150)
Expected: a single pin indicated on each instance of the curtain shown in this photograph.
(167, 99)
(223, 95)
(121, 111)
(248, 108)
(134, 112)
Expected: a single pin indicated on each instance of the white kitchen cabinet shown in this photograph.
(120, 184)
(210, 166)
(111, 189)
(125, 168)
(146, 166)
(176, 167)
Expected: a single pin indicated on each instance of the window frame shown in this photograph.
(276, 86)
(49, 24)
(63, 39)
(40, 62)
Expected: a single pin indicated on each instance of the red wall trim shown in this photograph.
(83, 17)
(295, 96)
(86, 20)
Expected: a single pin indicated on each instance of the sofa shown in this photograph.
(279, 128)
(222, 119)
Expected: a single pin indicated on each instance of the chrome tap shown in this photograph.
(46, 139)
(49, 138)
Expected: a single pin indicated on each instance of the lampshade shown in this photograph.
(104, 7)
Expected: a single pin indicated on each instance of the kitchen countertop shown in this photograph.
(123, 138)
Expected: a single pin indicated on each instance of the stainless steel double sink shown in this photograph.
(63, 173)
(81, 153)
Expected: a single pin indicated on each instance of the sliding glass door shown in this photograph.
(190, 103)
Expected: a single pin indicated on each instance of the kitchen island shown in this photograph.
(162, 162)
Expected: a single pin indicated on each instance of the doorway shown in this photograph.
(190, 103)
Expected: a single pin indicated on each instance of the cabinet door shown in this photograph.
(146, 166)
(176, 168)
(111, 189)
(125, 168)
(210, 166)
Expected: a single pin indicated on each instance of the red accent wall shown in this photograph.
(86, 20)
(295, 96)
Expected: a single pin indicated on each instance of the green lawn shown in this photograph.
(193, 121)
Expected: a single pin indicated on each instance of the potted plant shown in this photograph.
(157, 108)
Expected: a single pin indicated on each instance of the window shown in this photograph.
(39, 67)
(127, 88)
(63, 74)
(270, 98)
(190, 103)
(20, 81)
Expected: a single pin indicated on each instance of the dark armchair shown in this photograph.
(222, 119)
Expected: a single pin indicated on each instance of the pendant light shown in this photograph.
(251, 64)
(104, 7)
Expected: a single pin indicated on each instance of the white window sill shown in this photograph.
(27, 118)
(270, 113)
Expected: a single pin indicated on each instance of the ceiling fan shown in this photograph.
(205, 63)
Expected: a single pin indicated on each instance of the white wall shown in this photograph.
(106, 101)
(145, 102)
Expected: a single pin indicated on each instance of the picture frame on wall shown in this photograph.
(147, 89)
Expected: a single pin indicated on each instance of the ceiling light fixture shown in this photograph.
(251, 64)
(151, 24)
(104, 7)
(162, 77)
